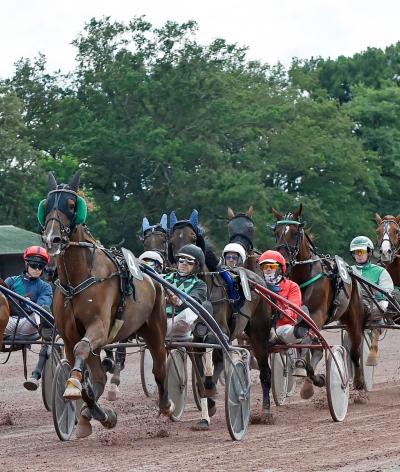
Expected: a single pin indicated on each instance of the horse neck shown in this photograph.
(394, 271)
(303, 272)
(75, 264)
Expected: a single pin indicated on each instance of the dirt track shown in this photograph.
(304, 438)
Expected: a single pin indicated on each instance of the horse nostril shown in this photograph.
(56, 240)
(380, 250)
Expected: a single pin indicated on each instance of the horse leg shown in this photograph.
(155, 342)
(113, 391)
(373, 354)
(92, 389)
(261, 354)
(355, 329)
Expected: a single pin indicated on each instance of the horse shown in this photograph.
(241, 231)
(92, 304)
(154, 237)
(388, 241)
(4, 315)
(254, 317)
(323, 292)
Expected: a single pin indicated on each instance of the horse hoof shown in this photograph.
(202, 425)
(112, 393)
(111, 419)
(167, 411)
(83, 428)
(372, 360)
(73, 390)
(307, 390)
(320, 380)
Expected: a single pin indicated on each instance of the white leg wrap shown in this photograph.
(204, 410)
(209, 363)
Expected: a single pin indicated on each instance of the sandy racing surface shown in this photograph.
(304, 437)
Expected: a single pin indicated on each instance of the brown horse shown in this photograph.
(155, 237)
(90, 304)
(253, 317)
(388, 241)
(323, 292)
(4, 314)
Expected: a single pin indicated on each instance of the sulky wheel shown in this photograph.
(237, 398)
(177, 381)
(149, 384)
(367, 370)
(50, 366)
(337, 389)
(279, 377)
(64, 411)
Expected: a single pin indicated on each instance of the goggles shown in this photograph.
(269, 266)
(186, 260)
(36, 265)
(360, 252)
(232, 257)
(150, 262)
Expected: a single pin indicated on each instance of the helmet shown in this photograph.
(361, 242)
(36, 254)
(152, 255)
(273, 256)
(190, 250)
(235, 247)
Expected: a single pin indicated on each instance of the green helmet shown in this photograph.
(361, 242)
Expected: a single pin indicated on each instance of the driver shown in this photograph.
(30, 285)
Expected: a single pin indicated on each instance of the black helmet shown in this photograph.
(190, 250)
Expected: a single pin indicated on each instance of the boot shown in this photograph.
(32, 383)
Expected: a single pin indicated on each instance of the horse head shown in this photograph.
(60, 213)
(388, 237)
(155, 237)
(184, 232)
(241, 228)
(289, 234)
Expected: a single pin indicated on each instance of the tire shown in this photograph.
(149, 384)
(177, 381)
(237, 398)
(48, 373)
(64, 411)
(337, 390)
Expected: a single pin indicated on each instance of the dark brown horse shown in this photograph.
(388, 242)
(4, 314)
(155, 237)
(241, 231)
(90, 304)
(322, 291)
(253, 317)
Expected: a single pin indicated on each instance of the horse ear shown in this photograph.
(145, 224)
(231, 213)
(297, 213)
(74, 185)
(276, 213)
(249, 212)
(398, 219)
(172, 219)
(378, 218)
(51, 182)
(164, 222)
(194, 218)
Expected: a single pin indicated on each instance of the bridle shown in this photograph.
(386, 228)
(281, 241)
(157, 231)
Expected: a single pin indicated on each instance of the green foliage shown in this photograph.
(155, 121)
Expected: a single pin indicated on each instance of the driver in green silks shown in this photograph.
(190, 262)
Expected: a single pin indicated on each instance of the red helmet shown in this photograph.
(273, 256)
(36, 254)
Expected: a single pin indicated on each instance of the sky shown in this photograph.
(273, 30)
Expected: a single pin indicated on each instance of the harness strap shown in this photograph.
(312, 280)
(69, 292)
